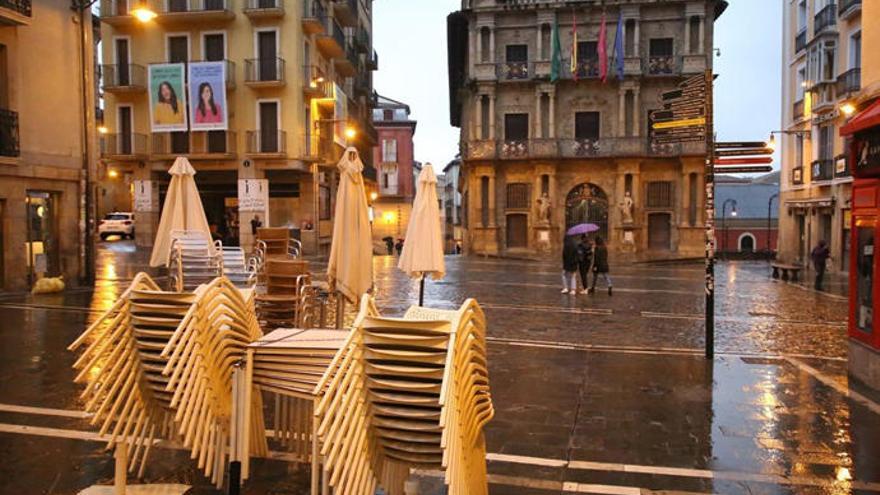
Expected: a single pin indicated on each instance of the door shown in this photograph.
(517, 231)
(659, 231)
(268, 134)
(2, 243)
(124, 138)
(41, 246)
(123, 75)
(121, 7)
(801, 237)
(863, 319)
(178, 52)
(215, 51)
(268, 58)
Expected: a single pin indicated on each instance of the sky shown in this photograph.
(410, 38)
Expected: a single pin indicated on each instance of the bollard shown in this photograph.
(120, 455)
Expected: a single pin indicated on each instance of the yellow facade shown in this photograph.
(319, 86)
(47, 137)
(870, 58)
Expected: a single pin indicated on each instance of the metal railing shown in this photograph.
(23, 7)
(336, 32)
(314, 9)
(266, 141)
(797, 109)
(114, 8)
(574, 148)
(316, 82)
(123, 145)
(822, 169)
(849, 81)
(825, 18)
(373, 61)
(662, 65)
(265, 5)
(123, 75)
(800, 40)
(515, 71)
(264, 69)
(9, 140)
(181, 6)
(362, 40)
(845, 5)
(193, 143)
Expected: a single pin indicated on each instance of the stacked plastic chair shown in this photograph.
(407, 393)
(237, 268)
(192, 261)
(160, 364)
(286, 286)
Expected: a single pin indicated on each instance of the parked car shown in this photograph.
(117, 223)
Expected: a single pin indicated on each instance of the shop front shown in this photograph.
(863, 132)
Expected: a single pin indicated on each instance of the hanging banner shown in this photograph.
(340, 115)
(207, 85)
(167, 98)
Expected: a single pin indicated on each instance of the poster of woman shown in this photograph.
(207, 85)
(167, 98)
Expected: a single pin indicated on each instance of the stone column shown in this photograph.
(478, 117)
(492, 116)
(621, 113)
(540, 43)
(637, 52)
(492, 44)
(702, 35)
(687, 35)
(684, 210)
(538, 131)
(552, 129)
(478, 42)
(637, 112)
(492, 210)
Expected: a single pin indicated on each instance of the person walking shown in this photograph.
(569, 266)
(585, 260)
(600, 265)
(820, 255)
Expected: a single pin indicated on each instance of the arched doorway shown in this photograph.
(747, 243)
(587, 203)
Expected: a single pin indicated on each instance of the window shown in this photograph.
(484, 117)
(802, 15)
(586, 126)
(855, 50)
(799, 150)
(516, 126)
(517, 53)
(659, 194)
(661, 47)
(389, 150)
(518, 195)
(630, 38)
(587, 50)
(545, 42)
(324, 203)
(826, 142)
(485, 37)
(692, 199)
(801, 82)
(695, 34)
(545, 184)
(484, 201)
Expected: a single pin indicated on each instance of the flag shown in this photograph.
(618, 46)
(556, 55)
(603, 51)
(574, 45)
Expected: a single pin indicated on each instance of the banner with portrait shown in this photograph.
(207, 97)
(167, 98)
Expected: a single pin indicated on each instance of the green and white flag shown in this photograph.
(556, 56)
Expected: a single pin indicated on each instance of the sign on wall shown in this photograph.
(145, 191)
(207, 86)
(253, 195)
(865, 153)
(167, 98)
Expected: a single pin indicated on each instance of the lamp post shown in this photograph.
(769, 218)
(724, 223)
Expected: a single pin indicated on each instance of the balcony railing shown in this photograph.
(317, 147)
(264, 8)
(373, 62)
(123, 146)
(800, 41)
(264, 70)
(797, 110)
(662, 65)
(362, 40)
(266, 142)
(827, 17)
(124, 77)
(9, 145)
(315, 83)
(849, 82)
(575, 148)
(204, 9)
(346, 11)
(515, 71)
(797, 175)
(822, 169)
(22, 7)
(196, 145)
(513, 148)
(314, 17)
(845, 7)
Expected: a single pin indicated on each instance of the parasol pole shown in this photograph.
(422, 291)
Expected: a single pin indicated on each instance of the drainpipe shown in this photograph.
(86, 248)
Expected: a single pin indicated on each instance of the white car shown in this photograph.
(117, 223)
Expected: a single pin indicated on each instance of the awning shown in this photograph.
(865, 119)
(826, 202)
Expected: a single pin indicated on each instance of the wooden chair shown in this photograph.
(286, 283)
(276, 240)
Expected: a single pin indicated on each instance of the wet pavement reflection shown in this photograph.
(591, 392)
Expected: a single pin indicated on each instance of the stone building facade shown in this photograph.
(539, 156)
(47, 141)
(821, 76)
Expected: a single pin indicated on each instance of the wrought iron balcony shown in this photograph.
(362, 40)
(15, 12)
(194, 10)
(260, 72)
(196, 145)
(315, 83)
(264, 9)
(9, 144)
(331, 43)
(822, 169)
(825, 18)
(120, 146)
(800, 41)
(266, 142)
(123, 78)
(515, 71)
(797, 111)
(314, 17)
(663, 65)
(347, 66)
(346, 11)
(849, 82)
(317, 147)
(847, 8)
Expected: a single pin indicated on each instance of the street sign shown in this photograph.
(756, 169)
(743, 161)
(744, 152)
(740, 144)
(696, 122)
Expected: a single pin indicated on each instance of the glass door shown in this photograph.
(864, 277)
(41, 245)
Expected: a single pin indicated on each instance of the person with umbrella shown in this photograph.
(569, 266)
(600, 265)
(585, 261)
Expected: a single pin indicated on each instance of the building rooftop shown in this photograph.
(751, 195)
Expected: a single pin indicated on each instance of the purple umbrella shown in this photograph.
(582, 228)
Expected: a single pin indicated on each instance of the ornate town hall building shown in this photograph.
(546, 144)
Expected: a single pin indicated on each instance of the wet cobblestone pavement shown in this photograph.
(594, 394)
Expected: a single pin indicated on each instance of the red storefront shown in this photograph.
(863, 133)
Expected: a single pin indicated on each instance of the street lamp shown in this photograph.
(724, 223)
(771, 143)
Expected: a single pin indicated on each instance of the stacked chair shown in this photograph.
(194, 260)
(287, 283)
(276, 241)
(237, 268)
(160, 364)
